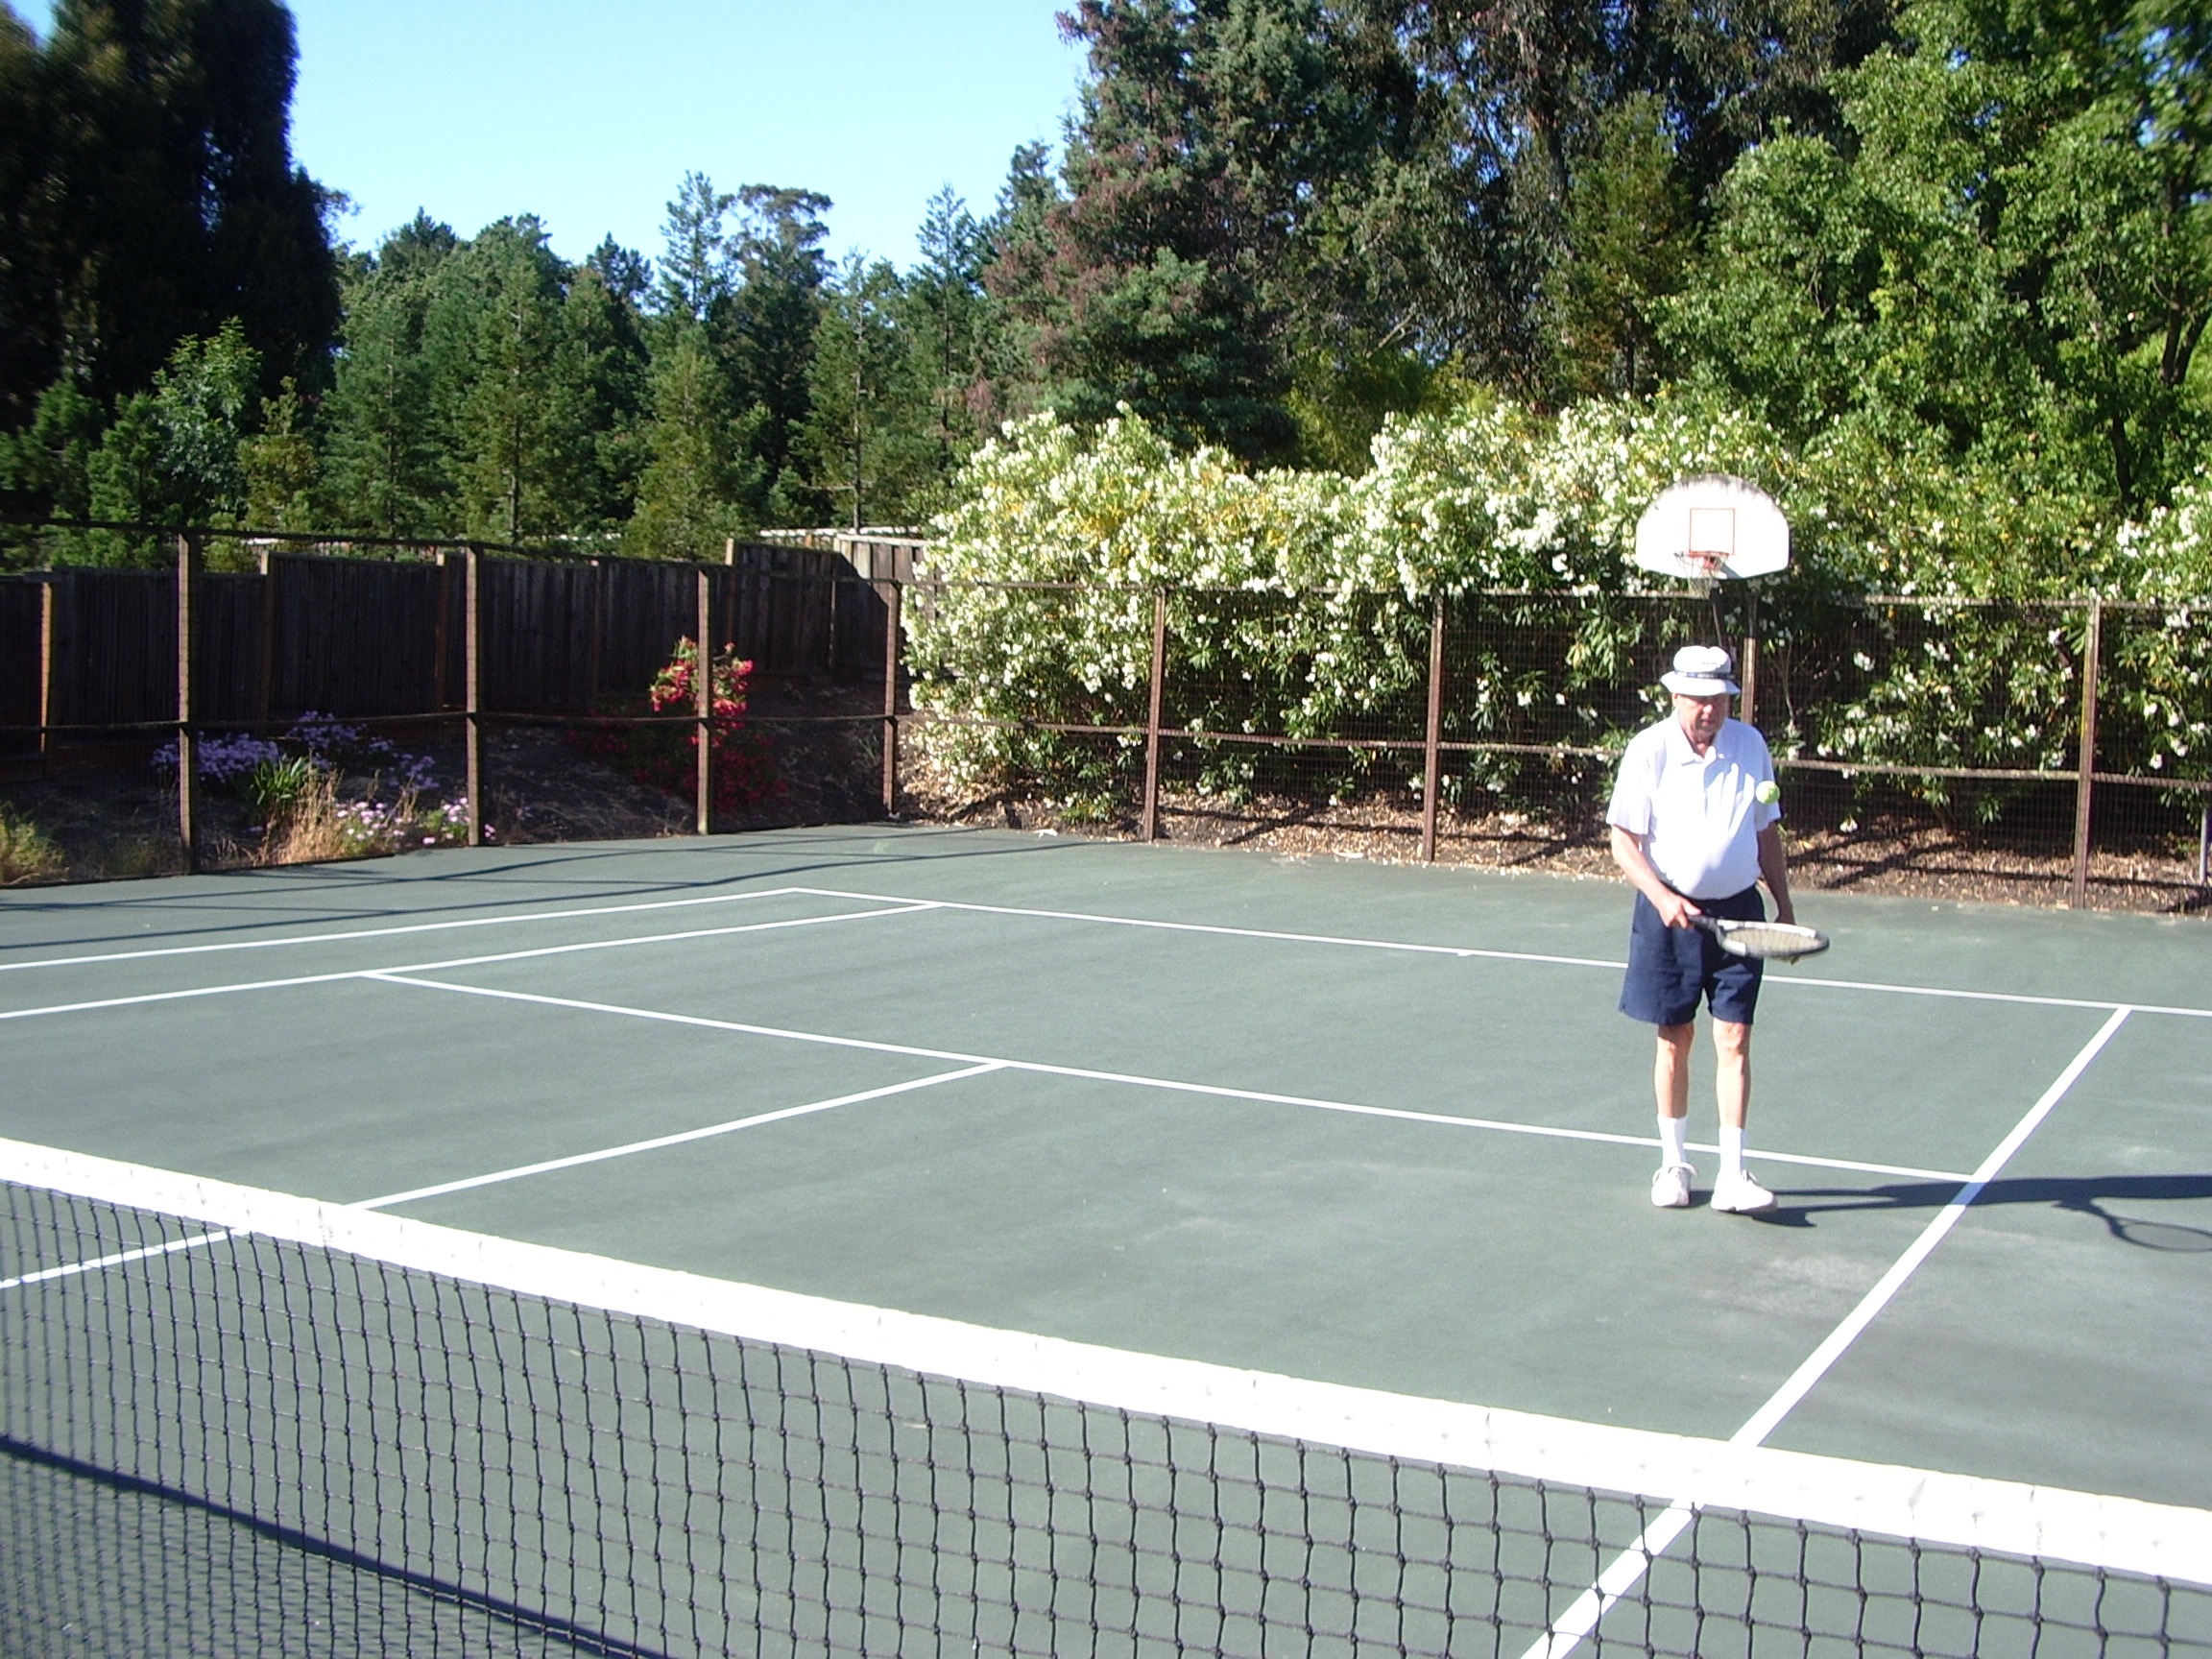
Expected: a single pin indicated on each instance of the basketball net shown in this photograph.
(1705, 579)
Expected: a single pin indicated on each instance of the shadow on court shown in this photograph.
(2089, 1196)
(331, 893)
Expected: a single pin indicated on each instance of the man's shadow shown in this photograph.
(2094, 1195)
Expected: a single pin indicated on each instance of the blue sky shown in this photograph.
(590, 115)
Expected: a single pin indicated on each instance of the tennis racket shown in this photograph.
(1762, 941)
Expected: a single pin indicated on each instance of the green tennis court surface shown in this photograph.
(1378, 1127)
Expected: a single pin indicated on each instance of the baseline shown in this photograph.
(1474, 952)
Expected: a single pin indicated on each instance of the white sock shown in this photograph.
(1731, 1151)
(1673, 1132)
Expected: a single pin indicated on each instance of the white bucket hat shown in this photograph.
(1702, 671)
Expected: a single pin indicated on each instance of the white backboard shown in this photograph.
(1713, 526)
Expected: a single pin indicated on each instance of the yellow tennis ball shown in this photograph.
(1769, 792)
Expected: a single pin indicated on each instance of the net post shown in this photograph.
(188, 740)
(2084, 782)
(472, 686)
(703, 700)
(1432, 749)
(892, 589)
(1150, 829)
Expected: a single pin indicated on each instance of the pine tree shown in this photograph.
(865, 439)
(386, 456)
(699, 472)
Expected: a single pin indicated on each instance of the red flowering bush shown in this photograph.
(667, 756)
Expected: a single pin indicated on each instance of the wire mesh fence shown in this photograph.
(2047, 751)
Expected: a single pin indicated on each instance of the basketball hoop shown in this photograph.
(1711, 529)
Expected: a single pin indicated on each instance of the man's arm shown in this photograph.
(1775, 870)
(1674, 909)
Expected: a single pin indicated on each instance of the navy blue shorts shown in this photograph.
(1672, 969)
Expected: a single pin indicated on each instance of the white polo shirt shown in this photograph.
(1697, 815)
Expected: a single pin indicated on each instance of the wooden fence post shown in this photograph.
(1151, 827)
(1432, 745)
(703, 700)
(594, 649)
(2084, 784)
(264, 695)
(892, 652)
(49, 622)
(188, 740)
(472, 686)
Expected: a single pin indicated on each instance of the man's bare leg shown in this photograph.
(1671, 1081)
(1732, 1080)
(1670, 1075)
(1732, 1086)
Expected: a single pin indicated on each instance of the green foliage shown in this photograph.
(700, 474)
(275, 787)
(26, 853)
(2010, 253)
(867, 440)
(148, 188)
(1298, 600)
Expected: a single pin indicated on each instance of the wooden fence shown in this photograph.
(369, 637)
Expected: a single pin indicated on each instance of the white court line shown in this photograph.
(1464, 952)
(1128, 1079)
(71, 1269)
(522, 1171)
(455, 962)
(1468, 952)
(1574, 1626)
(391, 933)
(679, 1138)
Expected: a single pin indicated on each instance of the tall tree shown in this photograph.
(766, 333)
(700, 476)
(2011, 259)
(497, 322)
(865, 441)
(943, 307)
(157, 197)
(385, 447)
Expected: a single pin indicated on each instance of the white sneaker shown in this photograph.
(1671, 1187)
(1741, 1194)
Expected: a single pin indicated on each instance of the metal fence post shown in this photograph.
(472, 686)
(892, 652)
(2084, 782)
(1748, 671)
(1150, 831)
(1432, 746)
(703, 700)
(188, 740)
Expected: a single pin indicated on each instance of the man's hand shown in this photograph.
(1674, 909)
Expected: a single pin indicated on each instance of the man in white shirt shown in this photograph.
(1696, 828)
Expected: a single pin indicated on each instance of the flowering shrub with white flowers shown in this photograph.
(1299, 601)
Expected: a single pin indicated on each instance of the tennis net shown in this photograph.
(238, 1422)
